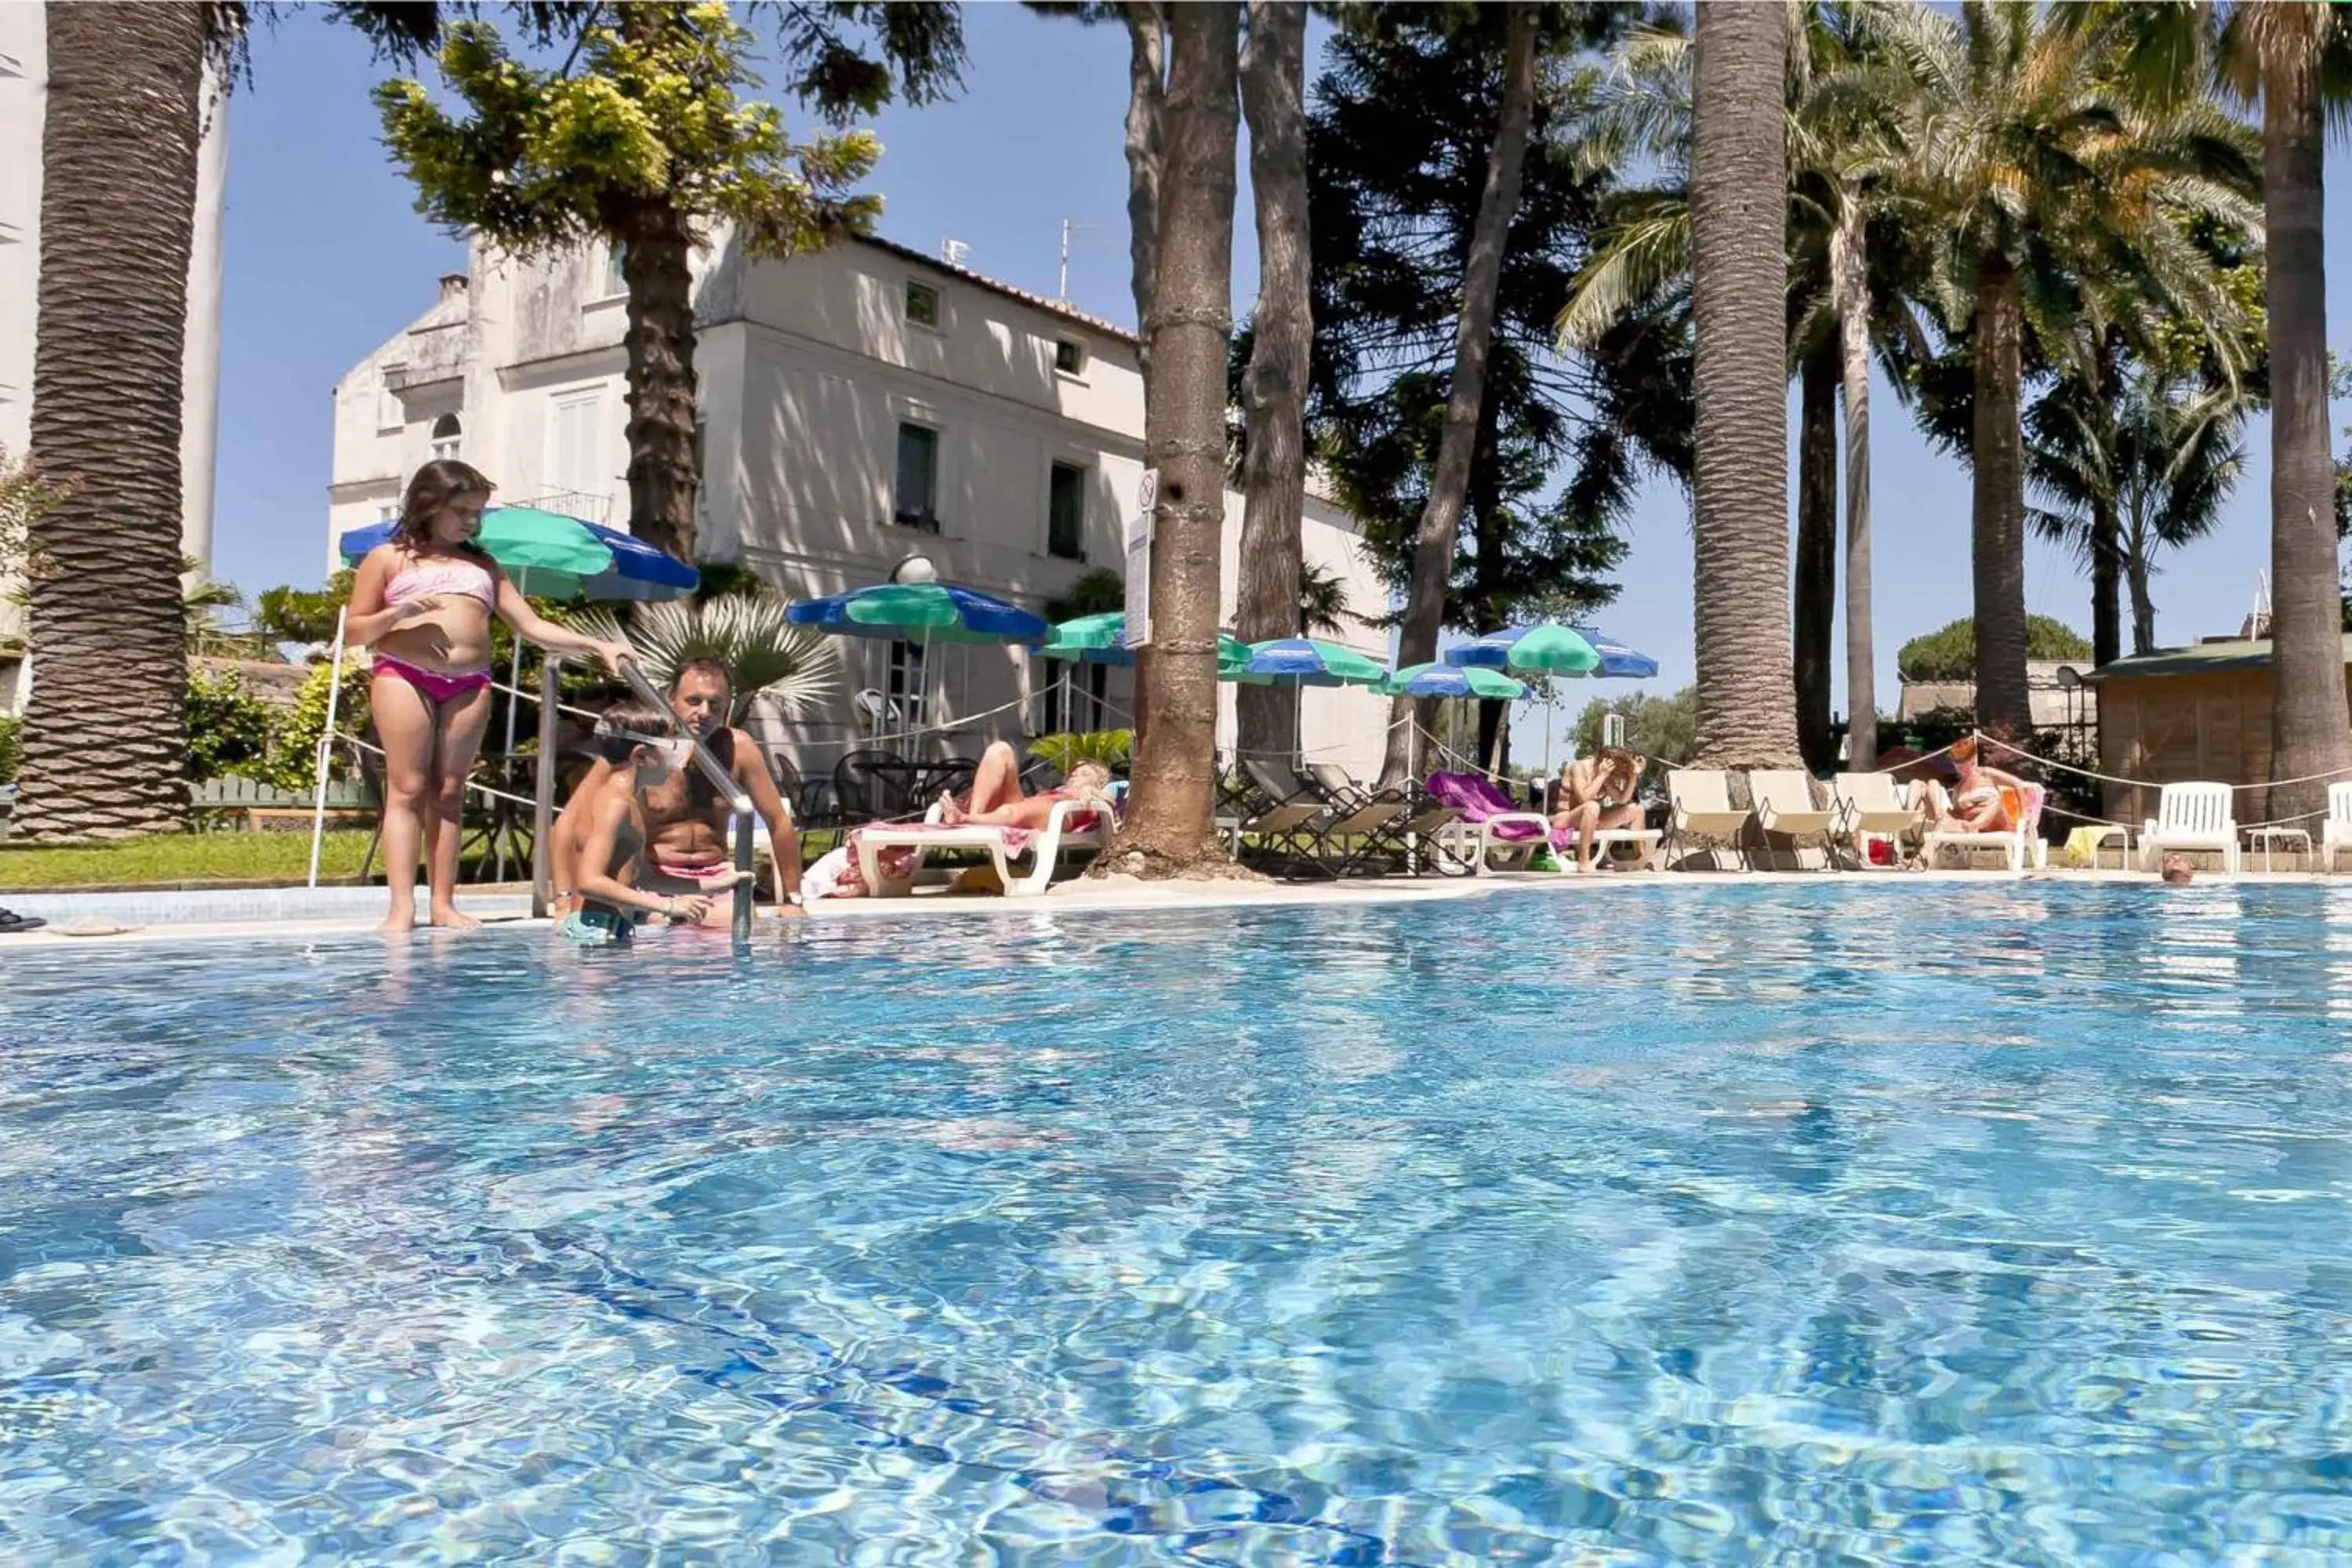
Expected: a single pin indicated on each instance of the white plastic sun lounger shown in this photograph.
(2335, 833)
(1872, 806)
(2020, 846)
(2191, 817)
(1042, 849)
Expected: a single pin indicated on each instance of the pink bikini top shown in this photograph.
(418, 579)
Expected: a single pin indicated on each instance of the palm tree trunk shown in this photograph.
(105, 734)
(2309, 733)
(2106, 529)
(2106, 588)
(1998, 521)
(1817, 540)
(1850, 289)
(2142, 608)
(1274, 389)
(1170, 828)
(1437, 538)
(1739, 271)
(657, 264)
(1147, 100)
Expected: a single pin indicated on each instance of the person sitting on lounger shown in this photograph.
(1596, 796)
(996, 799)
(1984, 800)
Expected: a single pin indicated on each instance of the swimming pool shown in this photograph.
(1808, 1222)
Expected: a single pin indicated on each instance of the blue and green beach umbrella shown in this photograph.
(1310, 661)
(921, 611)
(552, 556)
(1552, 648)
(1453, 680)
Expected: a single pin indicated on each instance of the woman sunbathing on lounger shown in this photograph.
(1984, 800)
(997, 800)
(1596, 796)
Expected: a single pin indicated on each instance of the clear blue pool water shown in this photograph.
(1803, 1223)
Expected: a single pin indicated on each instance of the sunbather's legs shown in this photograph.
(995, 784)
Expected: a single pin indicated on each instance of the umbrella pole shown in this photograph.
(326, 748)
(514, 691)
(543, 808)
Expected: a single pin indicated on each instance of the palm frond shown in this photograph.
(794, 668)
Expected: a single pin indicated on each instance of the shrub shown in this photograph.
(228, 727)
(1111, 748)
(12, 745)
(293, 751)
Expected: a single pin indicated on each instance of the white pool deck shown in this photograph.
(252, 914)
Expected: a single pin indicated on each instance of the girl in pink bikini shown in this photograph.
(422, 603)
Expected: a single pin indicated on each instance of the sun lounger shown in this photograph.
(1415, 838)
(2191, 817)
(1704, 815)
(1287, 819)
(2335, 833)
(1491, 821)
(1784, 807)
(1362, 819)
(1872, 806)
(2020, 846)
(1072, 824)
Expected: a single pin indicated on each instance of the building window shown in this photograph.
(917, 502)
(449, 436)
(907, 689)
(1070, 356)
(389, 414)
(922, 304)
(573, 426)
(1066, 514)
(615, 284)
(1071, 699)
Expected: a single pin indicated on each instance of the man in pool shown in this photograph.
(611, 820)
(686, 817)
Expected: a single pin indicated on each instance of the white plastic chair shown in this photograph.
(2335, 833)
(1703, 812)
(2191, 816)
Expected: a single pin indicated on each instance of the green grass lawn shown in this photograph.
(229, 856)
(232, 855)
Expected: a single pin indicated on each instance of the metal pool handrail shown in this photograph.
(740, 815)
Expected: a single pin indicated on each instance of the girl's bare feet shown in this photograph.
(447, 917)
(401, 920)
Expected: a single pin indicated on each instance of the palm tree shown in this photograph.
(1323, 610)
(2288, 55)
(1273, 388)
(1169, 827)
(2044, 184)
(1847, 294)
(768, 658)
(1739, 267)
(104, 731)
(2157, 455)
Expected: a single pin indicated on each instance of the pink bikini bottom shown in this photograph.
(431, 684)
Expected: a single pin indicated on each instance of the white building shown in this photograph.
(858, 407)
(24, 92)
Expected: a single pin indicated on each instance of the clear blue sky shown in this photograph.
(326, 258)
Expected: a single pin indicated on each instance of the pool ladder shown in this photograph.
(740, 815)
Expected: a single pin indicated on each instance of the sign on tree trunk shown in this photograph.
(1138, 561)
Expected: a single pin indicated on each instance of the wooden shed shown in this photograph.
(2184, 714)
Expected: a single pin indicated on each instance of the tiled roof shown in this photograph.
(1061, 308)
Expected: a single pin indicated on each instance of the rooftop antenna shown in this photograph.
(953, 251)
(1062, 281)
